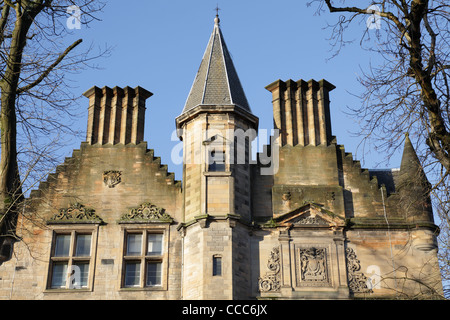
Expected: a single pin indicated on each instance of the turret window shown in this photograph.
(217, 266)
(216, 162)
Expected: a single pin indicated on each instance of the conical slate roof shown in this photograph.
(217, 82)
(413, 186)
(411, 175)
(410, 164)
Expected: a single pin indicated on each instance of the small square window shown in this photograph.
(83, 248)
(62, 245)
(134, 244)
(154, 244)
(216, 161)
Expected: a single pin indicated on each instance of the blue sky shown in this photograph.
(158, 45)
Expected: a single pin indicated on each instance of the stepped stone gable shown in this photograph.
(112, 223)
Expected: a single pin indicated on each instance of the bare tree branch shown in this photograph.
(49, 69)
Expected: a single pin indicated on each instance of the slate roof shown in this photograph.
(387, 177)
(217, 82)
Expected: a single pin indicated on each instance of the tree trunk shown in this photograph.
(10, 190)
(439, 139)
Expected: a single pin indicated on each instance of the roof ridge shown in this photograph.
(221, 42)
(212, 38)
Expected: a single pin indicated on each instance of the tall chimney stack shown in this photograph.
(301, 111)
(116, 115)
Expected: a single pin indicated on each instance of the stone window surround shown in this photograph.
(227, 149)
(73, 230)
(145, 229)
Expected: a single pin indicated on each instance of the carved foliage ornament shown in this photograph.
(112, 178)
(357, 281)
(147, 212)
(271, 280)
(75, 213)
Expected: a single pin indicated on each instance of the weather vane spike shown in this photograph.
(217, 20)
(217, 10)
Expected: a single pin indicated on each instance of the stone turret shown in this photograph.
(216, 184)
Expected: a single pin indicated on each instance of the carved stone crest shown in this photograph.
(147, 212)
(112, 178)
(286, 196)
(75, 213)
(313, 264)
(271, 280)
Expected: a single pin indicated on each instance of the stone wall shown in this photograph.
(84, 181)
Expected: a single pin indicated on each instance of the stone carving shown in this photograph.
(286, 196)
(147, 212)
(112, 178)
(309, 215)
(313, 264)
(331, 195)
(357, 281)
(310, 219)
(75, 213)
(271, 280)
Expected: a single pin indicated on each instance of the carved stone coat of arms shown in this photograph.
(313, 268)
(112, 178)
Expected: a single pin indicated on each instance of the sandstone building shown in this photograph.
(303, 221)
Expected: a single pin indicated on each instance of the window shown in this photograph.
(154, 247)
(216, 161)
(143, 259)
(153, 274)
(70, 260)
(134, 244)
(132, 274)
(217, 265)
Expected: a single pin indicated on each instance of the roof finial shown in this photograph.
(217, 20)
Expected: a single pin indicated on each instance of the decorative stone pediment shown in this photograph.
(75, 213)
(310, 215)
(147, 213)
